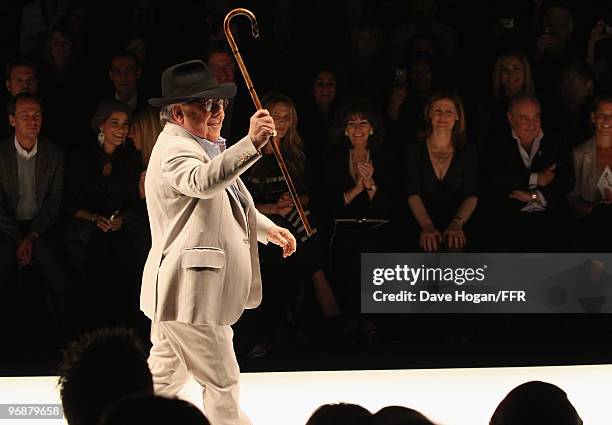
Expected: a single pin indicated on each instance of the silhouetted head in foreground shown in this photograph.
(99, 369)
(340, 413)
(535, 403)
(153, 410)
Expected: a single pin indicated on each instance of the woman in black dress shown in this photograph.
(442, 177)
(107, 239)
(358, 172)
(358, 186)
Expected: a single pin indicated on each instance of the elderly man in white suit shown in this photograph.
(203, 267)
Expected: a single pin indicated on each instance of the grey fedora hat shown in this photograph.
(191, 80)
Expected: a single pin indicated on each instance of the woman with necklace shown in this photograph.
(591, 198)
(442, 177)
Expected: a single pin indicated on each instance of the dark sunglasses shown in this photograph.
(210, 104)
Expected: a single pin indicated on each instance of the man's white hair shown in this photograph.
(166, 114)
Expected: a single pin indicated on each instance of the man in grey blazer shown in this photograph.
(31, 180)
(203, 267)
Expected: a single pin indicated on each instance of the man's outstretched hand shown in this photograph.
(283, 238)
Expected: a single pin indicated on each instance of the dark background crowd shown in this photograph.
(408, 126)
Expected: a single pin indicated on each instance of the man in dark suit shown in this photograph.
(530, 176)
(31, 179)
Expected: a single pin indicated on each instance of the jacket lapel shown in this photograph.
(240, 206)
(590, 164)
(12, 178)
(42, 165)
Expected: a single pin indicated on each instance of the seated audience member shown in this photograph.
(124, 72)
(317, 119)
(63, 89)
(340, 413)
(138, 44)
(76, 20)
(152, 410)
(442, 178)
(99, 369)
(399, 415)
(424, 43)
(105, 199)
(357, 168)
(322, 102)
(554, 48)
(31, 186)
(422, 20)
(20, 76)
(365, 73)
(144, 129)
(269, 190)
(535, 403)
(220, 60)
(511, 75)
(358, 185)
(58, 60)
(36, 19)
(408, 99)
(571, 112)
(529, 176)
(598, 54)
(591, 198)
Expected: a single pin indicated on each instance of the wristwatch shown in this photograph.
(373, 187)
(534, 196)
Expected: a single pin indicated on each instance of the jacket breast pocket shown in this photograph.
(203, 257)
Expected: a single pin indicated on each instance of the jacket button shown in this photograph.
(246, 241)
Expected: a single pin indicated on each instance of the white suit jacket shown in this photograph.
(203, 267)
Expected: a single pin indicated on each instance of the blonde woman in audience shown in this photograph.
(511, 75)
(144, 131)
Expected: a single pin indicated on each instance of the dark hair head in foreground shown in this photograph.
(399, 415)
(340, 413)
(99, 369)
(153, 410)
(535, 403)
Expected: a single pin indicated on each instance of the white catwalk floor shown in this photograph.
(447, 396)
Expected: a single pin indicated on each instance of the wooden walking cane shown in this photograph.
(251, 88)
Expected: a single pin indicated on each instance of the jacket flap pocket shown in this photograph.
(203, 257)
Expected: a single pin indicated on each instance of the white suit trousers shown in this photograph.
(206, 352)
